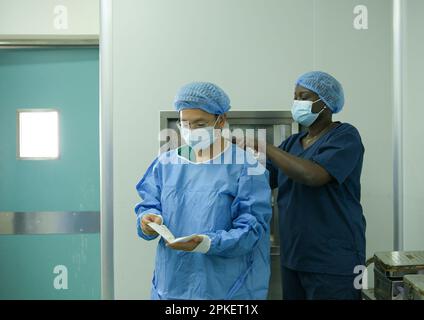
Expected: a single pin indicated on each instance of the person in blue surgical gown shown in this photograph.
(214, 189)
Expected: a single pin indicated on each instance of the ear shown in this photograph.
(222, 120)
(327, 113)
(318, 106)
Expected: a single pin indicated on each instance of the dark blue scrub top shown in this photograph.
(322, 229)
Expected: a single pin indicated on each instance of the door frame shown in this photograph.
(19, 42)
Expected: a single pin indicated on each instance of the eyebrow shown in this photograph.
(196, 120)
(305, 92)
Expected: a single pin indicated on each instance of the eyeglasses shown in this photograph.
(195, 125)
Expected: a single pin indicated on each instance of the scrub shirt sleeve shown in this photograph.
(273, 174)
(149, 190)
(252, 211)
(340, 154)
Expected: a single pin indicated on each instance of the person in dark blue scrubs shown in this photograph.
(318, 171)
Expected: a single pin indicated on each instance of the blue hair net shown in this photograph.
(326, 87)
(202, 95)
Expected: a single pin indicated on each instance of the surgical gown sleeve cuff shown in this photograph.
(140, 231)
(203, 246)
(213, 244)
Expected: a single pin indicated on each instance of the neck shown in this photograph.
(319, 126)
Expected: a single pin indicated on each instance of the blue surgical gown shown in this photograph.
(323, 228)
(230, 203)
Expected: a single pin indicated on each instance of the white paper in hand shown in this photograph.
(165, 233)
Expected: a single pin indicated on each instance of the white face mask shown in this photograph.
(200, 138)
(302, 112)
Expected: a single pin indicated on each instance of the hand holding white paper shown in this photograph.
(165, 233)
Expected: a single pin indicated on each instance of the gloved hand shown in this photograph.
(186, 246)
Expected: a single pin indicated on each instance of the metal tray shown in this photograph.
(414, 287)
(396, 264)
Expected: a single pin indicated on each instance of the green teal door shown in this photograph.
(49, 209)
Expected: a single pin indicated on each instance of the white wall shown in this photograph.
(254, 50)
(413, 112)
(32, 18)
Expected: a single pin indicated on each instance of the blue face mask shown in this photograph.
(302, 112)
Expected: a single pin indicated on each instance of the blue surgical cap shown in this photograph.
(202, 95)
(326, 87)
